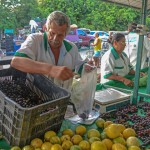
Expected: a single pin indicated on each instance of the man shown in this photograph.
(49, 54)
(131, 49)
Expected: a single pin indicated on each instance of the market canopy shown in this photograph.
(131, 3)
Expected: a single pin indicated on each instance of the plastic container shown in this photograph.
(108, 100)
(20, 125)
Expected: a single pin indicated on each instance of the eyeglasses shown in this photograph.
(123, 43)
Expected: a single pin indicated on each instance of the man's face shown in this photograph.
(56, 35)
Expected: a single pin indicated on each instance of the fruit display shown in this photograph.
(135, 119)
(117, 137)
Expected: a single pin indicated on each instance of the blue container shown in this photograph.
(17, 44)
(8, 31)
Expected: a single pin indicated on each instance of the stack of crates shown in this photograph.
(19, 125)
(9, 43)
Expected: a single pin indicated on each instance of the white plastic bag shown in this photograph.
(83, 91)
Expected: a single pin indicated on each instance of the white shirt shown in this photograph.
(34, 48)
(131, 49)
(112, 63)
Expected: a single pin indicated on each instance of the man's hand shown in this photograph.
(61, 72)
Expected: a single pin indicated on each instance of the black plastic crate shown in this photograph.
(20, 125)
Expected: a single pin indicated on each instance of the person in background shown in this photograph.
(49, 53)
(115, 64)
(97, 47)
(132, 39)
(110, 39)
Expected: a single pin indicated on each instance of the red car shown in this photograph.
(79, 37)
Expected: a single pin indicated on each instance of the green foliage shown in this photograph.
(92, 14)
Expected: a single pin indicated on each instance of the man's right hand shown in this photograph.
(61, 72)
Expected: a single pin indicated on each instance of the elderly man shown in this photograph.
(49, 53)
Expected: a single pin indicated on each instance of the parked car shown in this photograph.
(102, 34)
(79, 37)
(87, 31)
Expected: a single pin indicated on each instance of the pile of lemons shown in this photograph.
(113, 137)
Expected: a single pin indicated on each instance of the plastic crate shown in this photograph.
(20, 125)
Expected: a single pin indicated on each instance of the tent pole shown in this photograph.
(139, 54)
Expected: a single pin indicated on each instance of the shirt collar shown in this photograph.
(115, 54)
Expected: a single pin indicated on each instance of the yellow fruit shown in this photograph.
(107, 123)
(112, 131)
(118, 146)
(93, 133)
(15, 148)
(55, 140)
(85, 145)
(133, 141)
(37, 149)
(81, 130)
(121, 127)
(68, 132)
(103, 135)
(93, 139)
(56, 147)
(128, 132)
(64, 138)
(100, 122)
(98, 145)
(134, 148)
(48, 135)
(28, 147)
(66, 145)
(75, 147)
(36, 143)
(76, 139)
(46, 146)
(120, 140)
(108, 143)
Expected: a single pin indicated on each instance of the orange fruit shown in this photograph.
(108, 143)
(36, 143)
(81, 130)
(68, 132)
(85, 145)
(128, 132)
(76, 139)
(93, 133)
(48, 135)
(98, 145)
(46, 146)
(66, 145)
(56, 147)
(118, 146)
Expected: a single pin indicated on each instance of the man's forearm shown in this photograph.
(30, 66)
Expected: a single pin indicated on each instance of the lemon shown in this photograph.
(128, 132)
(100, 122)
(85, 145)
(118, 146)
(93, 139)
(48, 135)
(121, 127)
(112, 131)
(46, 146)
(68, 132)
(75, 147)
(108, 143)
(133, 141)
(107, 123)
(66, 145)
(134, 148)
(36, 143)
(55, 140)
(28, 147)
(98, 145)
(81, 130)
(56, 147)
(15, 148)
(93, 133)
(64, 138)
(76, 139)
